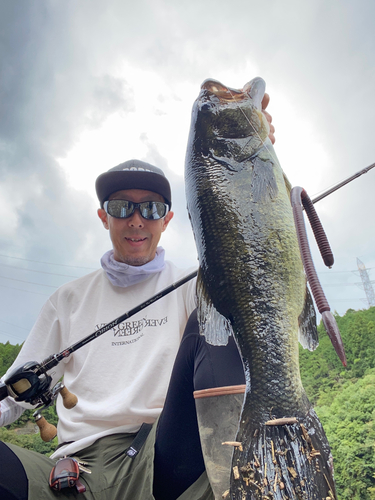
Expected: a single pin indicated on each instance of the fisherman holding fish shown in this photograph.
(139, 373)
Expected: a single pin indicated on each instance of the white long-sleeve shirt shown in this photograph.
(120, 378)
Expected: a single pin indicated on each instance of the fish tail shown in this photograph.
(283, 459)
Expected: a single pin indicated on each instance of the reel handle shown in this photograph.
(69, 399)
(47, 431)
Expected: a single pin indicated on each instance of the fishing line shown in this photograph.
(272, 153)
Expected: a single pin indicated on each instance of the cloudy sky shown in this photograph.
(87, 84)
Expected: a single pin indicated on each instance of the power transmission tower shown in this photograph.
(366, 283)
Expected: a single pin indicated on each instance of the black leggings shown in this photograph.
(11, 468)
(199, 365)
(178, 456)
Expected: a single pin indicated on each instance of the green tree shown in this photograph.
(29, 441)
(344, 399)
(349, 425)
(8, 354)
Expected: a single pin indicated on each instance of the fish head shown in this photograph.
(229, 122)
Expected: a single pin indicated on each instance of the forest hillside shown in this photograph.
(344, 399)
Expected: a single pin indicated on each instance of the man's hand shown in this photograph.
(265, 102)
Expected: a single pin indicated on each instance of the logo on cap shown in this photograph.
(138, 168)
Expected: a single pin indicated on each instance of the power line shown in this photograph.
(35, 271)
(11, 335)
(30, 282)
(11, 324)
(345, 300)
(342, 272)
(23, 290)
(48, 263)
(346, 284)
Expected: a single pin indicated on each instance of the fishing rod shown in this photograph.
(307, 205)
(31, 382)
(343, 183)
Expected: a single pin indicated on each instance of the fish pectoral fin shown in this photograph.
(308, 333)
(229, 163)
(263, 184)
(213, 325)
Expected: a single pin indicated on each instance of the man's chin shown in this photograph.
(136, 261)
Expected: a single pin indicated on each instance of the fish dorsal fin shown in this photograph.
(308, 333)
(213, 325)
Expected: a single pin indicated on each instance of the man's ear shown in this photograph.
(166, 220)
(102, 214)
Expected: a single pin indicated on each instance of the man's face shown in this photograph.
(134, 239)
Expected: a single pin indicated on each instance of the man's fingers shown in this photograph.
(265, 101)
(268, 116)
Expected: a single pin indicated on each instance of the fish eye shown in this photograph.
(206, 107)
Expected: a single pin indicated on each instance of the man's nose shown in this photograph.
(136, 220)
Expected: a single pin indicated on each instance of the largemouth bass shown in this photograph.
(251, 284)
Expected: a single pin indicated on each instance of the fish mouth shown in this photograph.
(222, 92)
(254, 90)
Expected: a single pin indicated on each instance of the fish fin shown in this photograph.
(308, 333)
(296, 453)
(230, 164)
(213, 325)
(263, 183)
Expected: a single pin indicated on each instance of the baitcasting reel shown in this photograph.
(32, 384)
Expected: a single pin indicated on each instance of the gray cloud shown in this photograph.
(61, 74)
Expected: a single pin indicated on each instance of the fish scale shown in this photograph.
(251, 284)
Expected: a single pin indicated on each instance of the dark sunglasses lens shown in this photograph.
(153, 210)
(120, 208)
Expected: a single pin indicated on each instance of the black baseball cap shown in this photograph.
(133, 174)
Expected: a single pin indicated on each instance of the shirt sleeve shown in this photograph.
(10, 411)
(44, 339)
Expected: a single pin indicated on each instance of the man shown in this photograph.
(121, 378)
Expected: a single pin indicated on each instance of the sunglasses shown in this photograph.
(122, 209)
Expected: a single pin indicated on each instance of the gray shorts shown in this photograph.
(114, 475)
